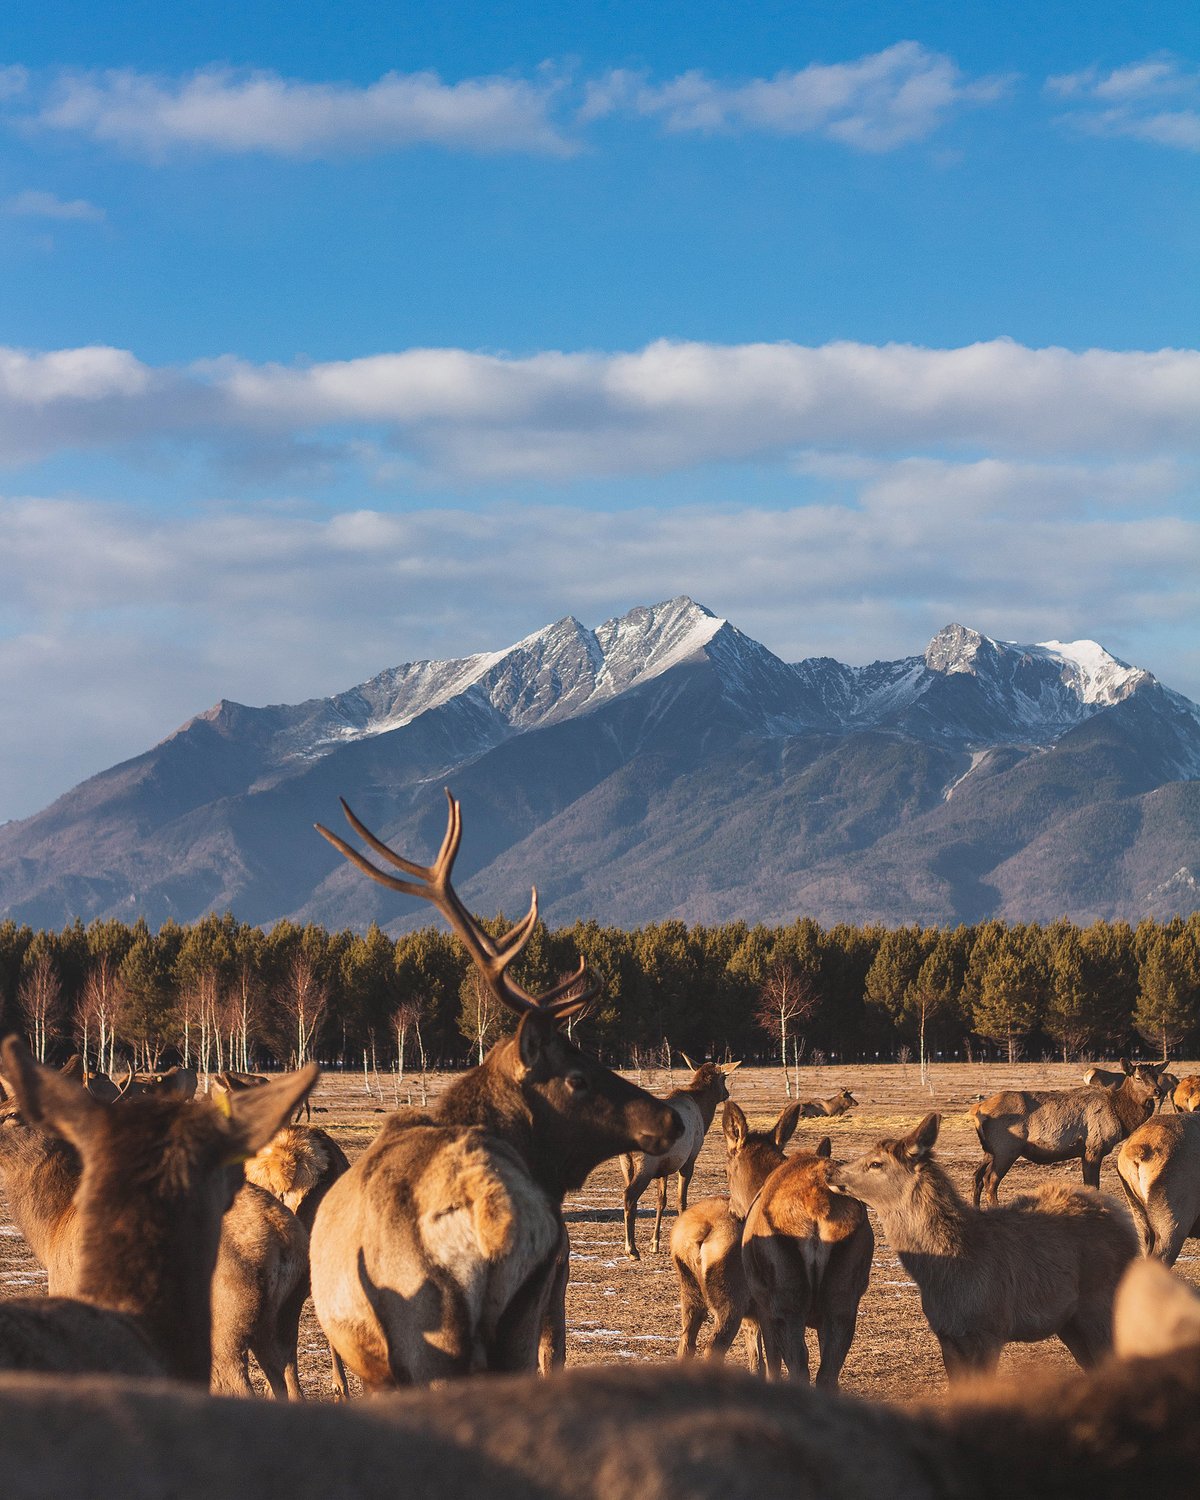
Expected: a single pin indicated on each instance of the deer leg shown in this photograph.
(658, 1216)
(633, 1194)
(752, 1338)
(1089, 1338)
(552, 1350)
(772, 1339)
(795, 1349)
(835, 1334)
(685, 1180)
(341, 1386)
(1091, 1171)
(968, 1356)
(692, 1312)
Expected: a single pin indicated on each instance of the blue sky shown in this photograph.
(337, 336)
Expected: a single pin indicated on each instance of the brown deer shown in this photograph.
(1159, 1168)
(1044, 1265)
(836, 1104)
(1186, 1094)
(706, 1242)
(176, 1083)
(695, 1104)
(477, 1278)
(1126, 1428)
(156, 1178)
(806, 1251)
(259, 1282)
(1051, 1125)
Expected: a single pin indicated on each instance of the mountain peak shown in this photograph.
(955, 648)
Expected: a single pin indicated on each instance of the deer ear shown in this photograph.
(732, 1067)
(825, 1147)
(733, 1123)
(785, 1126)
(534, 1031)
(255, 1115)
(920, 1143)
(1126, 1065)
(45, 1098)
(1154, 1312)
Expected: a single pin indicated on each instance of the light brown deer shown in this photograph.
(706, 1242)
(695, 1104)
(156, 1178)
(1159, 1168)
(806, 1251)
(1186, 1094)
(600, 1433)
(1052, 1125)
(259, 1282)
(836, 1104)
(1045, 1264)
(443, 1249)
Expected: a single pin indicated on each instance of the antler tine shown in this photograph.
(422, 872)
(365, 865)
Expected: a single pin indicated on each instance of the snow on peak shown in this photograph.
(955, 649)
(648, 640)
(1092, 672)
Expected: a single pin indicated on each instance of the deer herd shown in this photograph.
(182, 1232)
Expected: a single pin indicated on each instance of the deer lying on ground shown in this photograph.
(443, 1250)
(1159, 1168)
(259, 1282)
(1045, 1264)
(806, 1251)
(1186, 1094)
(155, 1179)
(836, 1104)
(1051, 1125)
(706, 1242)
(605, 1433)
(695, 1104)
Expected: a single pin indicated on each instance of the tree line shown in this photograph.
(222, 994)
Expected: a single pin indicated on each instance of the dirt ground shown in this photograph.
(618, 1309)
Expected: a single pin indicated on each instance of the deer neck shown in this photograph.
(933, 1222)
(1129, 1109)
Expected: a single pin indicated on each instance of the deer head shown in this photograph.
(885, 1177)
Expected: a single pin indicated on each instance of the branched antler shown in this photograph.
(491, 956)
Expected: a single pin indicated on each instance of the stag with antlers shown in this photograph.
(443, 1249)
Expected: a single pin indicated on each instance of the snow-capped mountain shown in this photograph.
(662, 764)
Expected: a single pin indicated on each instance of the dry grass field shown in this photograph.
(619, 1310)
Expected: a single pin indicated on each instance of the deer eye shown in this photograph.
(577, 1083)
(874, 1166)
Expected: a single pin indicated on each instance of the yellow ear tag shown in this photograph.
(223, 1103)
(236, 1158)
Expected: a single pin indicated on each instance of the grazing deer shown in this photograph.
(836, 1104)
(259, 1282)
(599, 1433)
(1159, 1168)
(1185, 1096)
(468, 1281)
(1051, 1125)
(806, 1251)
(298, 1167)
(695, 1104)
(706, 1242)
(1045, 1264)
(155, 1179)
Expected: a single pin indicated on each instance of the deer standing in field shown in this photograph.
(1045, 1264)
(836, 1104)
(706, 1242)
(259, 1282)
(155, 1178)
(604, 1433)
(443, 1249)
(806, 1251)
(695, 1104)
(1050, 1125)
(1159, 1168)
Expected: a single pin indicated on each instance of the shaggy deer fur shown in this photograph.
(806, 1251)
(157, 1176)
(1186, 1094)
(1057, 1124)
(1159, 1168)
(1045, 1264)
(522, 1129)
(695, 1104)
(706, 1242)
(836, 1104)
(629, 1433)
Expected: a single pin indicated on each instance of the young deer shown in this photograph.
(443, 1249)
(695, 1104)
(706, 1242)
(806, 1251)
(1045, 1264)
(1058, 1124)
(157, 1175)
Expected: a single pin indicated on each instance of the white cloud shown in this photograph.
(1156, 100)
(556, 416)
(116, 623)
(220, 109)
(35, 204)
(875, 103)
